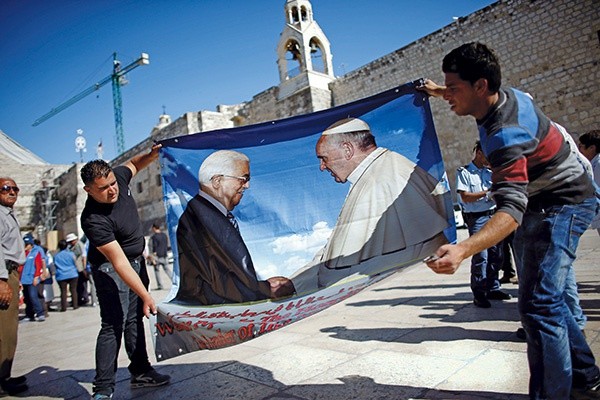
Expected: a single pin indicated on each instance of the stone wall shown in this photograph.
(71, 200)
(550, 49)
(32, 179)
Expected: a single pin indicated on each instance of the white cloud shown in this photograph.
(308, 243)
(287, 268)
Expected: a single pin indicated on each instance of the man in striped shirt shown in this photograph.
(543, 192)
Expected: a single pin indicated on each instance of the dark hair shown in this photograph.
(156, 226)
(62, 244)
(477, 146)
(94, 169)
(591, 138)
(473, 61)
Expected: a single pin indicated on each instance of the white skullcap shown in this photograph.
(348, 125)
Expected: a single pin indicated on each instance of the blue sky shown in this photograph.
(202, 53)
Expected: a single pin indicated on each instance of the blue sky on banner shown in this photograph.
(287, 214)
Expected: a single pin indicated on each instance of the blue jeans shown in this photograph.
(121, 315)
(33, 306)
(545, 246)
(486, 264)
(572, 299)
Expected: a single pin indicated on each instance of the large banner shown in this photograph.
(319, 203)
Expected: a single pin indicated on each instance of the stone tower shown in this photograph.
(303, 52)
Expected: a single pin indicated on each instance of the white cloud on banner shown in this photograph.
(308, 243)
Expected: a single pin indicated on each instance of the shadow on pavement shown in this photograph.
(234, 380)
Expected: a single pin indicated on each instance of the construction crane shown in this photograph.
(118, 79)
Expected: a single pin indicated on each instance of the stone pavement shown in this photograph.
(414, 335)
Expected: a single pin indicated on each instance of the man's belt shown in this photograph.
(480, 213)
(11, 266)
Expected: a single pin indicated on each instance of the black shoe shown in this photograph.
(521, 334)
(590, 390)
(149, 379)
(12, 388)
(498, 295)
(481, 302)
(17, 380)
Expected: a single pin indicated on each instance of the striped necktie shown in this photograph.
(233, 221)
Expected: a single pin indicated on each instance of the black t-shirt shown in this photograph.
(104, 223)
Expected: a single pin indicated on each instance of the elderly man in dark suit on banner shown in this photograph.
(214, 263)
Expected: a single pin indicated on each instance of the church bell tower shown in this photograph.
(303, 53)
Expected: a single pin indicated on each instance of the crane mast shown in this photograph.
(118, 79)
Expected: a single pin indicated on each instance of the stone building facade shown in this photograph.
(550, 49)
(36, 180)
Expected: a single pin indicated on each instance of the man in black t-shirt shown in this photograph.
(111, 223)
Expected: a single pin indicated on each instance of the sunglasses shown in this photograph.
(7, 188)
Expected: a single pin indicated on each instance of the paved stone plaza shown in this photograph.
(415, 335)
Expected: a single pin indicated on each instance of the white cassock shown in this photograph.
(394, 215)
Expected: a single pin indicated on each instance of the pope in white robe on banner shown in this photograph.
(394, 212)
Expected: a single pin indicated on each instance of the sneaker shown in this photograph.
(41, 318)
(101, 396)
(590, 390)
(521, 334)
(498, 295)
(149, 379)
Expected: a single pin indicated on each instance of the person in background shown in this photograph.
(12, 255)
(88, 268)
(32, 276)
(48, 284)
(543, 191)
(66, 275)
(589, 146)
(111, 223)
(158, 254)
(509, 273)
(473, 183)
(78, 249)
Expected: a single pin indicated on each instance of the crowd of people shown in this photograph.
(529, 189)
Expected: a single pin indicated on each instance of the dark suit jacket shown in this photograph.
(214, 263)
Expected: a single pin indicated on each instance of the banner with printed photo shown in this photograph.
(296, 221)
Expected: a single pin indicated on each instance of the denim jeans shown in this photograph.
(486, 264)
(161, 262)
(33, 306)
(545, 246)
(121, 315)
(572, 299)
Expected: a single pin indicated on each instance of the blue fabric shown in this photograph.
(66, 268)
(288, 193)
(545, 247)
(29, 267)
(33, 305)
(572, 299)
(486, 264)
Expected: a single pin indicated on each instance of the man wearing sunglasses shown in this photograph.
(12, 254)
(214, 263)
